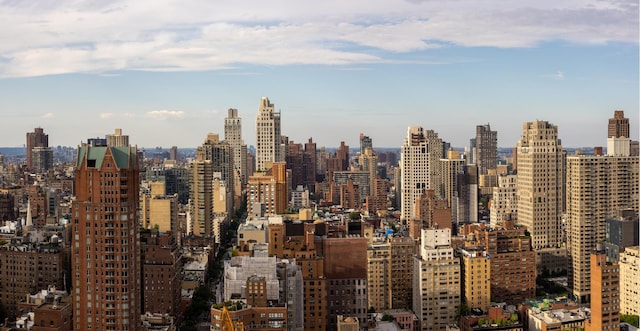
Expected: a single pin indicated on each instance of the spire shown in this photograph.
(29, 217)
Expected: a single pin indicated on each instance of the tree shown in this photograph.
(387, 318)
(630, 319)
(354, 215)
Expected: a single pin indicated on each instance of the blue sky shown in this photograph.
(166, 73)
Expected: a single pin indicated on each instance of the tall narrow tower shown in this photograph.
(37, 138)
(420, 167)
(618, 125)
(268, 144)
(106, 242)
(540, 187)
(486, 148)
(233, 137)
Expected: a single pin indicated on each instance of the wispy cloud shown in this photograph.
(106, 116)
(558, 75)
(101, 36)
(47, 116)
(164, 114)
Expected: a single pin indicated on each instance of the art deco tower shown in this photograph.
(106, 242)
(540, 187)
(420, 168)
(268, 144)
(618, 125)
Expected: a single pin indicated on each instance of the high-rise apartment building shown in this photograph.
(41, 159)
(420, 168)
(161, 273)
(618, 125)
(26, 268)
(436, 281)
(268, 140)
(214, 156)
(379, 277)
(451, 167)
(233, 137)
(504, 201)
(37, 138)
(105, 248)
(630, 281)
(159, 210)
(598, 187)
(605, 302)
(486, 149)
(117, 139)
(512, 262)
(365, 142)
(540, 188)
(476, 275)
(269, 189)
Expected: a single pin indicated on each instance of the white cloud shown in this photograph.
(47, 116)
(106, 116)
(101, 36)
(164, 114)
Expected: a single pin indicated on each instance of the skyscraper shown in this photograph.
(540, 187)
(365, 142)
(212, 157)
(233, 137)
(618, 125)
(420, 168)
(598, 187)
(268, 141)
(106, 244)
(486, 148)
(37, 138)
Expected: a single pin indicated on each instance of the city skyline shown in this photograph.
(166, 74)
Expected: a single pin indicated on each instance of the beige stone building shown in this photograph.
(476, 275)
(540, 188)
(630, 281)
(598, 187)
(436, 281)
(158, 208)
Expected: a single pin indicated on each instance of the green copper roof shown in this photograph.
(94, 155)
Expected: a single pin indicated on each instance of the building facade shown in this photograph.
(630, 281)
(420, 168)
(436, 281)
(37, 138)
(268, 135)
(540, 188)
(598, 187)
(486, 149)
(106, 262)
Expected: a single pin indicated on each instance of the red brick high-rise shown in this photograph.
(106, 245)
(618, 125)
